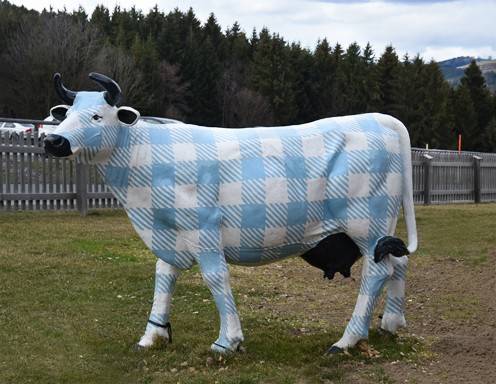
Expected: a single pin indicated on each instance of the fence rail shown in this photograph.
(31, 180)
(450, 177)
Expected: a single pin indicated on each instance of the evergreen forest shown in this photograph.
(171, 64)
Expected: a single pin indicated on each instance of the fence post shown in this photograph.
(427, 164)
(477, 179)
(82, 188)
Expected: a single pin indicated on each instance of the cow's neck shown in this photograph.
(121, 157)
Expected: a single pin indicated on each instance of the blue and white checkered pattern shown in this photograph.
(257, 194)
(250, 196)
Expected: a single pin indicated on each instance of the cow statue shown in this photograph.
(250, 196)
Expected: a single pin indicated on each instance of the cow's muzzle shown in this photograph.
(57, 146)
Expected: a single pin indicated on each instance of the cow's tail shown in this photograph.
(407, 186)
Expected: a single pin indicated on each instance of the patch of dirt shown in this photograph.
(452, 305)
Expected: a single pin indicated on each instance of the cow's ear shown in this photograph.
(59, 112)
(128, 115)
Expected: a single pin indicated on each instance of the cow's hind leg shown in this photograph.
(394, 316)
(216, 275)
(374, 276)
(158, 327)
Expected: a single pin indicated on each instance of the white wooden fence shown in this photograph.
(31, 180)
(441, 176)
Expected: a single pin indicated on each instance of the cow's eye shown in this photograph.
(97, 117)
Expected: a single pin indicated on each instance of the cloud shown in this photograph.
(443, 53)
(432, 28)
(386, 1)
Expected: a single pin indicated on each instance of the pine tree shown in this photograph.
(213, 31)
(253, 42)
(370, 86)
(323, 74)
(202, 70)
(80, 15)
(237, 54)
(100, 18)
(124, 27)
(338, 82)
(237, 46)
(490, 136)
(176, 35)
(474, 82)
(147, 61)
(410, 97)
(434, 125)
(388, 74)
(464, 116)
(272, 76)
(354, 74)
(301, 62)
(153, 23)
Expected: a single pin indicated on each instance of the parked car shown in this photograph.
(46, 129)
(159, 120)
(15, 129)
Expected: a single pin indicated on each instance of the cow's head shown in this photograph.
(90, 121)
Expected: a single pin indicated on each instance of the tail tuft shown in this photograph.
(389, 245)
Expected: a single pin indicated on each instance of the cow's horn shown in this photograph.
(113, 92)
(65, 94)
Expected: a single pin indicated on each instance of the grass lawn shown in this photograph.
(75, 295)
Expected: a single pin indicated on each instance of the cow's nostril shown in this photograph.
(57, 145)
(57, 142)
(54, 140)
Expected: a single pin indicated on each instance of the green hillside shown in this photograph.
(453, 70)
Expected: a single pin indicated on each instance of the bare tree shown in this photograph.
(241, 106)
(55, 44)
(249, 108)
(120, 66)
(172, 92)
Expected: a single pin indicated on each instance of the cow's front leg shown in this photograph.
(158, 327)
(394, 315)
(374, 276)
(215, 273)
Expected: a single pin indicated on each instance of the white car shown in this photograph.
(46, 129)
(15, 129)
(159, 120)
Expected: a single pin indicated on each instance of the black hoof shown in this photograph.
(385, 333)
(138, 348)
(334, 350)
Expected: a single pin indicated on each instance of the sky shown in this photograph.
(435, 29)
